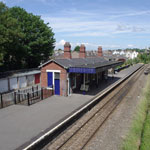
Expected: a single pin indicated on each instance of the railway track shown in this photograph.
(81, 132)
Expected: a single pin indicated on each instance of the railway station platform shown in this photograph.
(19, 124)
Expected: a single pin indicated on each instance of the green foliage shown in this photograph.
(25, 40)
(77, 48)
(129, 62)
(145, 143)
(142, 58)
(135, 60)
(9, 33)
(134, 138)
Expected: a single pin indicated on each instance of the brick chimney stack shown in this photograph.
(100, 52)
(67, 50)
(82, 53)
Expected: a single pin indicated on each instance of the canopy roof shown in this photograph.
(85, 65)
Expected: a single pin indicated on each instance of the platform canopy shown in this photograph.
(81, 70)
(94, 68)
(85, 65)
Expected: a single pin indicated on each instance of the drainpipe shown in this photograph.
(68, 85)
(84, 81)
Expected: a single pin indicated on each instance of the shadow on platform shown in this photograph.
(95, 89)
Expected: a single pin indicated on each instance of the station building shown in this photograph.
(67, 75)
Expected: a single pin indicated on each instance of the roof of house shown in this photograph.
(66, 63)
(115, 57)
(81, 62)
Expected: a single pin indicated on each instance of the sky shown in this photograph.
(112, 24)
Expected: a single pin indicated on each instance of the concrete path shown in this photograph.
(20, 124)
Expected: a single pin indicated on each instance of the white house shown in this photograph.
(131, 54)
(122, 53)
(118, 52)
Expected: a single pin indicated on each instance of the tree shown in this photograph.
(26, 39)
(9, 33)
(135, 60)
(38, 43)
(77, 48)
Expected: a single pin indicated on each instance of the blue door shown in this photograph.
(50, 79)
(57, 87)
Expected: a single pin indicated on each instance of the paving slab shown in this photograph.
(19, 124)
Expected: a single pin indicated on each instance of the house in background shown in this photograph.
(126, 53)
(131, 54)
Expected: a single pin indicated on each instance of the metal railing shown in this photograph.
(6, 99)
(28, 98)
(25, 96)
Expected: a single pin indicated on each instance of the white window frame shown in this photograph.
(53, 71)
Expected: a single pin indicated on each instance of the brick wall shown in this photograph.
(67, 50)
(82, 53)
(63, 77)
(100, 52)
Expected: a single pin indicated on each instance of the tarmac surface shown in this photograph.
(20, 124)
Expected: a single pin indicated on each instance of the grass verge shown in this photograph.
(145, 141)
(139, 134)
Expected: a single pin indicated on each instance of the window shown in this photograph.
(50, 79)
(57, 75)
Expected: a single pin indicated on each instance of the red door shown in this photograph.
(37, 78)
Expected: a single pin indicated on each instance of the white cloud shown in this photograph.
(60, 43)
(129, 14)
(130, 45)
(73, 23)
(126, 28)
(77, 26)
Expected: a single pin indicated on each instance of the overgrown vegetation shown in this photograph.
(139, 134)
(145, 142)
(142, 58)
(25, 40)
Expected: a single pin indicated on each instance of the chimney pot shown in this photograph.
(100, 52)
(82, 53)
(67, 44)
(67, 50)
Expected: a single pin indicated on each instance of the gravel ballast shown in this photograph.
(114, 130)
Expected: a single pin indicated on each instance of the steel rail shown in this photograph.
(38, 143)
(112, 102)
(107, 116)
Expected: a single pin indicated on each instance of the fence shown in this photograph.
(26, 97)
(6, 99)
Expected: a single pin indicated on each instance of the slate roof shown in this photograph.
(98, 64)
(82, 62)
